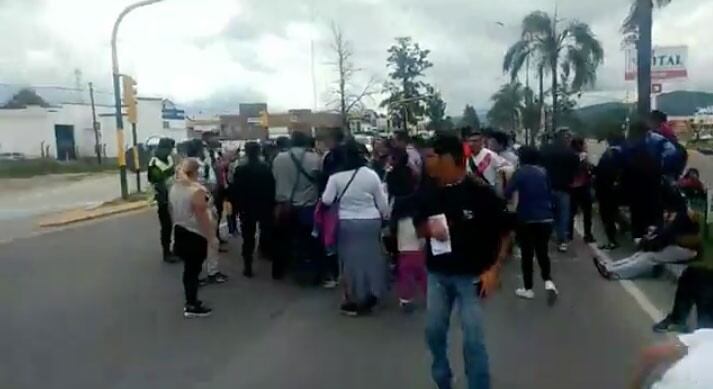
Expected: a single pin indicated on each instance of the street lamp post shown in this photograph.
(403, 103)
(117, 95)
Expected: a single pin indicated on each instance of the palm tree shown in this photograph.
(637, 27)
(508, 105)
(572, 54)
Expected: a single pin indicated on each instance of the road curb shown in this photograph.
(82, 215)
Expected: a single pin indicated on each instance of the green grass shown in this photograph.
(40, 167)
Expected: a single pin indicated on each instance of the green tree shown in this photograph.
(508, 105)
(470, 117)
(571, 54)
(637, 28)
(25, 97)
(435, 109)
(407, 63)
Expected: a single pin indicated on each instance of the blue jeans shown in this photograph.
(562, 215)
(443, 292)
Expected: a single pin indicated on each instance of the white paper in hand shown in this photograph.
(440, 247)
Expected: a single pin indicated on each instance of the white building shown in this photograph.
(65, 131)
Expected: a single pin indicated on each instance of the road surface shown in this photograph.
(93, 307)
(22, 201)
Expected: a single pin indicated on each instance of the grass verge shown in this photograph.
(39, 167)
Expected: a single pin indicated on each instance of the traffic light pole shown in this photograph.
(135, 154)
(117, 95)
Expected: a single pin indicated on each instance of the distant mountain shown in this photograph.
(680, 103)
(684, 103)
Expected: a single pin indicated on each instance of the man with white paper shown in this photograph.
(467, 228)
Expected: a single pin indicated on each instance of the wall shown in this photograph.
(24, 130)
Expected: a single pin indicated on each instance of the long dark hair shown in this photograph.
(350, 155)
(400, 181)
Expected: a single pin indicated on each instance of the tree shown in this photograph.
(637, 28)
(571, 55)
(530, 116)
(470, 117)
(25, 97)
(435, 109)
(407, 63)
(508, 105)
(344, 90)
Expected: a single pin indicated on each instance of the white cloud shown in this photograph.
(250, 49)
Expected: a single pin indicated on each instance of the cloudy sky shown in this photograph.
(216, 53)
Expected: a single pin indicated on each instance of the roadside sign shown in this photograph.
(254, 120)
(667, 63)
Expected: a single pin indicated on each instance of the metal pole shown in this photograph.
(95, 125)
(117, 95)
(135, 153)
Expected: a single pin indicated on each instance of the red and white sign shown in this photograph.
(667, 63)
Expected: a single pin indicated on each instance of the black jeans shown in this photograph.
(581, 200)
(248, 224)
(295, 245)
(164, 218)
(694, 287)
(192, 248)
(534, 239)
(232, 219)
(609, 212)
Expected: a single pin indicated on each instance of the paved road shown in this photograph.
(23, 201)
(93, 307)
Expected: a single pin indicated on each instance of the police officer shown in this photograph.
(161, 173)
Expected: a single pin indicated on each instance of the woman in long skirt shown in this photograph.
(358, 193)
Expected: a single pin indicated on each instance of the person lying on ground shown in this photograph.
(677, 241)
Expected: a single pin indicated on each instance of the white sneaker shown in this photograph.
(528, 294)
(552, 292)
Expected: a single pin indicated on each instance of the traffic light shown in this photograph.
(264, 120)
(130, 96)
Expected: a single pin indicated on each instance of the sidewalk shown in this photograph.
(23, 202)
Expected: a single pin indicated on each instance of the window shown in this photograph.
(166, 125)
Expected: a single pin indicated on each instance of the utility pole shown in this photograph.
(95, 126)
(117, 95)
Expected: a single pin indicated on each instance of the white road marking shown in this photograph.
(634, 291)
(630, 287)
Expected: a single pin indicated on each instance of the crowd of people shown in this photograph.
(434, 218)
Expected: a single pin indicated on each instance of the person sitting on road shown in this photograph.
(691, 184)
(685, 363)
(676, 241)
(695, 287)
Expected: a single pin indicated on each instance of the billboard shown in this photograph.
(667, 63)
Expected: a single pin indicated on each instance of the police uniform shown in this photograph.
(161, 174)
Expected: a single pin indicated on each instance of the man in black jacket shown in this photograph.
(561, 163)
(253, 195)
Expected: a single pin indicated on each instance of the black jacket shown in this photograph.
(253, 188)
(562, 165)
